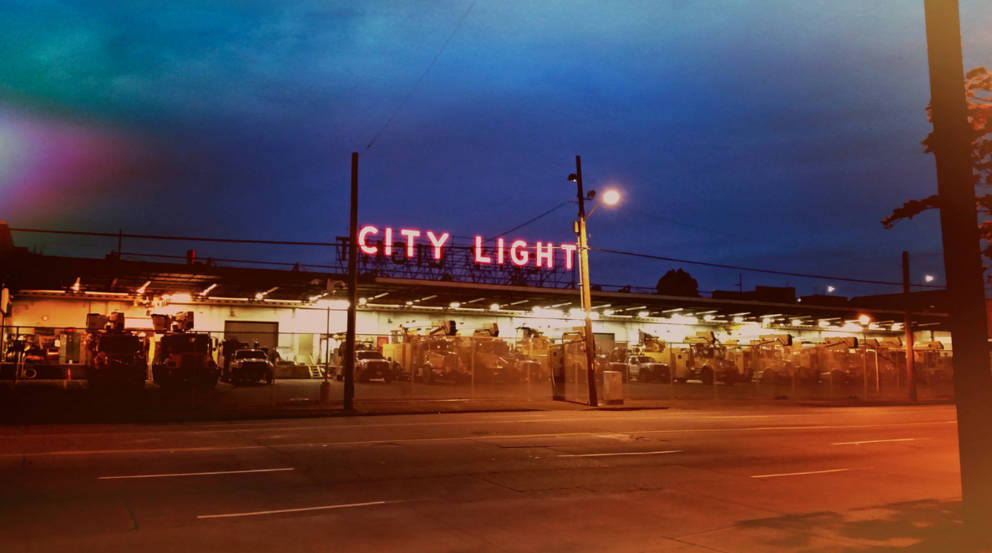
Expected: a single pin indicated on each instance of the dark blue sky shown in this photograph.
(766, 133)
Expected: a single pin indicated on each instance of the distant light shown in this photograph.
(409, 303)
(594, 315)
(738, 319)
(75, 287)
(824, 324)
(766, 321)
(494, 307)
(611, 197)
(643, 314)
(259, 296)
(797, 322)
(708, 318)
(455, 305)
(864, 319)
(608, 312)
(362, 301)
(830, 289)
(928, 278)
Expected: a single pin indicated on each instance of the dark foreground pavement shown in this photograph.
(691, 478)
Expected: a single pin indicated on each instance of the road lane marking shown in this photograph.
(876, 441)
(304, 509)
(618, 454)
(799, 473)
(191, 474)
(466, 438)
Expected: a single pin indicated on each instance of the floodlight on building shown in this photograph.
(708, 318)
(455, 305)
(209, 288)
(738, 319)
(76, 285)
(494, 307)
(409, 303)
(643, 314)
(362, 301)
(141, 291)
(608, 312)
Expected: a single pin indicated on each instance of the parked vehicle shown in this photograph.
(646, 369)
(370, 364)
(704, 359)
(114, 355)
(183, 357)
(249, 365)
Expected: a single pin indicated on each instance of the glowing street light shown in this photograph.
(928, 278)
(611, 197)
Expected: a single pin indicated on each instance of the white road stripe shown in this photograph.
(617, 454)
(325, 507)
(191, 474)
(800, 473)
(876, 441)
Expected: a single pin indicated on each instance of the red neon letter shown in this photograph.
(499, 251)
(437, 243)
(410, 235)
(523, 256)
(569, 249)
(548, 255)
(479, 258)
(389, 241)
(367, 230)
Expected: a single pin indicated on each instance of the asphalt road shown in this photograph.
(649, 480)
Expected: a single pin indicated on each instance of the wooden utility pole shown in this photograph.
(349, 341)
(951, 144)
(586, 288)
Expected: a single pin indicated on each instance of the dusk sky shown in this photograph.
(773, 134)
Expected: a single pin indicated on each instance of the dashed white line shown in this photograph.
(304, 509)
(876, 441)
(619, 454)
(191, 474)
(799, 473)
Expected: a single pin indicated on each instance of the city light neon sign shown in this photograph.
(517, 252)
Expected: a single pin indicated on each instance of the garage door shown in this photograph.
(266, 334)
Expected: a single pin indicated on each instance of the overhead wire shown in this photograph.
(424, 74)
(334, 244)
(753, 270)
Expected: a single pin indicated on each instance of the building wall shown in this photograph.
(54, 310)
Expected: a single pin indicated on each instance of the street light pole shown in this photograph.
(585, 287)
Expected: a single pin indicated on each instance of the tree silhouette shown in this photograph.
(678, 283)
(978, 91)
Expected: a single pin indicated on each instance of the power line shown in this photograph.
(548, 212)
(333, 244)
(416, 84)
(185, 238)
(767, 271)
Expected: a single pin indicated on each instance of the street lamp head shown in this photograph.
(928, 278)
(864, 320)
(573, 177)
(611, 197)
